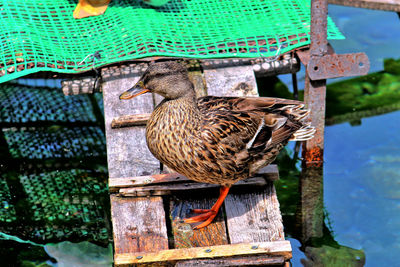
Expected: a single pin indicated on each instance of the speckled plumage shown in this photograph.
(218, 140)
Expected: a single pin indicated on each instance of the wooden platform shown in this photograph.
(148, 207)
(149, 228)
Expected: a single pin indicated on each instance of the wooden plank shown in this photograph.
(277, 248)
(258, 260)
(232, 81)
(270, 173)
(196, 77)
(184, 235)
(116, 183)
(388, 5)
(138, 224)
(254, 217)
(127, 152)
(130, 120)
(161, 190)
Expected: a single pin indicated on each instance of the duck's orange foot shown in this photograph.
(206, 218)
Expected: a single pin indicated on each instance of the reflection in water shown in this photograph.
(317, 241)
(310, 215)
(306, 220)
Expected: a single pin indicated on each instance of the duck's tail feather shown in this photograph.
(297, 112)
(303, 134)
(300, 114)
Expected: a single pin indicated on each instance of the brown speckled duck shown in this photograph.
(218, 140)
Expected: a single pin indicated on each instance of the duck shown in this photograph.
(214, 139)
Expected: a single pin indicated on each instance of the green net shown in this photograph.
(42, 35)
(53, 176)
(7, 211)
(55, 142)
(23, 104)
(67, 203)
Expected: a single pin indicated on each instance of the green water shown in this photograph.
(358, 220)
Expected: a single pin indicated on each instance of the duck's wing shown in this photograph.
(244, 103)
(241, 131)
(263, 119)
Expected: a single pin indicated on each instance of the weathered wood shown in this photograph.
(232, 81)
(130, 120)
(254, 217)
(161, 190)
(196, 77)
(277, 248)
(258, 260)
(115, 184)
(184, 235)
(127, 152)
(388, 5)
(270, 173)
(138, 224)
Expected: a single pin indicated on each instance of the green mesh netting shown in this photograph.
(56, 142)
(39, 35)
(67, 203)
(7, 211)
(22, 104)
(53, 178)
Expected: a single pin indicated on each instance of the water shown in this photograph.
(361, 192)
(361, 170)
(361, 186)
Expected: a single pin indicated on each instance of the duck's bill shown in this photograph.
(136, 90)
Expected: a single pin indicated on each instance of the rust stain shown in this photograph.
(314, 157)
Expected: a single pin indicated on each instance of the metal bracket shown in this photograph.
(334, 66)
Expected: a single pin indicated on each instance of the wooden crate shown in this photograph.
(147, 213)
(148, 207)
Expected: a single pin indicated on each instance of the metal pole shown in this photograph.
(311, 181)
(315, 91)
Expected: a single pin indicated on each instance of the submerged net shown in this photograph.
(24, 104)
(39, 35)
(55, 142)
(53, 174)
(67, 203)
(7, 211)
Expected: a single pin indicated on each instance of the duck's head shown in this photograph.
(168, 79)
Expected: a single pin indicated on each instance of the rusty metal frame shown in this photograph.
(322, 63)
